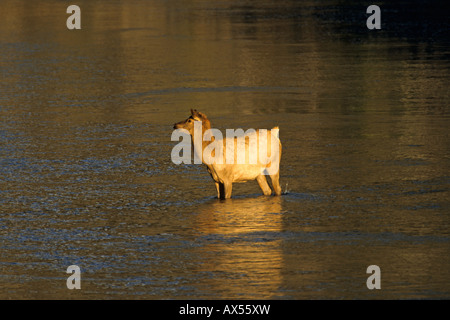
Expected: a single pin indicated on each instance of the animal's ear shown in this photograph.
(195, 115)
(198, 115)
(202, 115)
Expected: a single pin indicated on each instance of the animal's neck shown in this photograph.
(206, 124)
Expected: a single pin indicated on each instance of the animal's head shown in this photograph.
(188, 124)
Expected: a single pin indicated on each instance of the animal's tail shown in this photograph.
(276, 131)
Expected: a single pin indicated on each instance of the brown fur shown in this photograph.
(225, 174)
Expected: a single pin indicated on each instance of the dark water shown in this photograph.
(85, 171)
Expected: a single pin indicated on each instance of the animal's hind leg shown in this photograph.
(276, 183)
(262, 181)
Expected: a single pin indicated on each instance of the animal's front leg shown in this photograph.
(218, 189)
(228, 186)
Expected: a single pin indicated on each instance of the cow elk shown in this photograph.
(238, 158)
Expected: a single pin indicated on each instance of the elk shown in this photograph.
(257, 161)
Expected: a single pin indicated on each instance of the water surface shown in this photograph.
(85, 171)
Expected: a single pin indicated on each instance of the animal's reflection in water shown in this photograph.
(245, 248)
(240, 215)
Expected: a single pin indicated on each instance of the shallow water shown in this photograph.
(85, 171)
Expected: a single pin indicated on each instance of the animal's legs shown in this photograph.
(262, 181)
(218, 189)
(276, 183)
(228, 186)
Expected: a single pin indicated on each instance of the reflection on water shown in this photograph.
(244, 235)
(240, 215)
(85, 170)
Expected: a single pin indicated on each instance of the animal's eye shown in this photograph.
(190, 120)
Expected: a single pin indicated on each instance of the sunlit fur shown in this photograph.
(225, 174)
